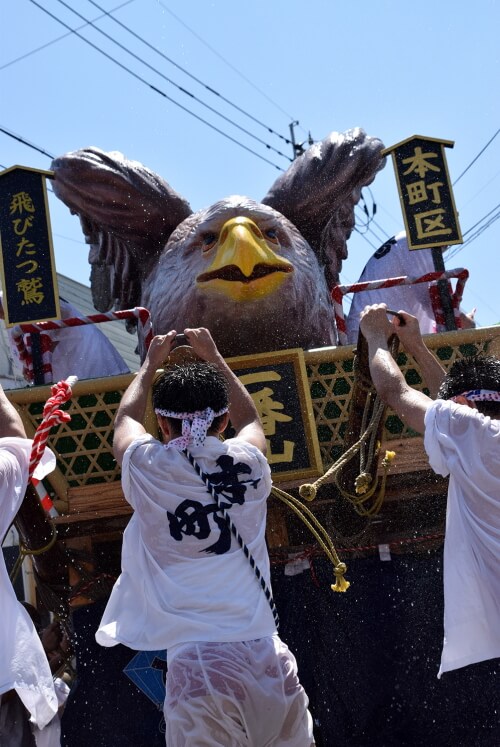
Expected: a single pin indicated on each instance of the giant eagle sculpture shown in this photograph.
(258, 275)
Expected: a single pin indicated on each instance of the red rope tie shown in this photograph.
(52, 415)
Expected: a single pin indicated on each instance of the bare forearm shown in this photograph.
(10, 420)
(135, 399)
(432, 371)
(386, 376)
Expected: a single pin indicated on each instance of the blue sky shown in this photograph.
(393, 68)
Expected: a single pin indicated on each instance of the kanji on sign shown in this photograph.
(425, 192)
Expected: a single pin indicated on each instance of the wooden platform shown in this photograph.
(86, 484)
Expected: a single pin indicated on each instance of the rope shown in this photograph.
(320, 534)
(237, 536)
(308, 491)
(52, 415)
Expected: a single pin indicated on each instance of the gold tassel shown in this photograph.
(340, 582)
(389, 456)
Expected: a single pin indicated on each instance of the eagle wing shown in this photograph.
(127, 213)
(319, 191)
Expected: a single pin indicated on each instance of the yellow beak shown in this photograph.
(244, 267)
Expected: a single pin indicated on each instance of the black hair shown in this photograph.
(473, 372)
(189, 388)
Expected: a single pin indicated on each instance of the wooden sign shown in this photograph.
(425, 192)
(278, 385)
(27, 264)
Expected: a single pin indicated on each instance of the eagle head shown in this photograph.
(243, 270)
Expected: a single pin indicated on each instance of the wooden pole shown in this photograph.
(444, 291)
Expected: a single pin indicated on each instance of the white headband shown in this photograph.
(194, 426)
(480, 395)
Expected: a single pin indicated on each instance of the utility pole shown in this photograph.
(298, 148)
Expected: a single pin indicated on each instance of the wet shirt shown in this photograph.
(23, 662)
(184, 577)
(465, 445)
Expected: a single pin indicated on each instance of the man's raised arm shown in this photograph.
(410, 404)
(132, 409)
(409, 334)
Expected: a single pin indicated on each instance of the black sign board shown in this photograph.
(26, 254)
(425, 192)
(278, 385)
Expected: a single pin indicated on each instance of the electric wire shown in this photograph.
(454, 250)
(370, 219)
(156, 89)
(63, 36)
(476, 157)
(483, 228)
(172, 82)
(480, 229)
(22, 140)
(364, 236)
(193, 77)
(232, 67)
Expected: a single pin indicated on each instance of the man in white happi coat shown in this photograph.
(26, 685)
(461, 431)
(187, 585)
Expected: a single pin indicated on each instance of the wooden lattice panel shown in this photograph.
(331, 378)
(83, 445)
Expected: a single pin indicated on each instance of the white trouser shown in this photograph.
(236, 695)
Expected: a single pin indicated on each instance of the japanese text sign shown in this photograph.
(27, 262)
(278, 385)
(425, 192)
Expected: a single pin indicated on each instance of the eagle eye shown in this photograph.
(208, 240)
(272, 235)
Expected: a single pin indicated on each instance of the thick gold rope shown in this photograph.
(308, 491)
(319, 532)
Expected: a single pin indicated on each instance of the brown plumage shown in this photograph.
(259, 279)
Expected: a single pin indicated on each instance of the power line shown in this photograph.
(215, 52)
(475, 159)
(64, 36)
(482, 219)
(364, 236)
(173, 83)
(482, 229)
(455, 250)
(157, 90)
(26, 142)
(190, 75)
(22, 140)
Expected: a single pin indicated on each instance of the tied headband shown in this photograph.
(194, 426)
(480, 395)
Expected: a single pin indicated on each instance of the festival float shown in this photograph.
(355, 506)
